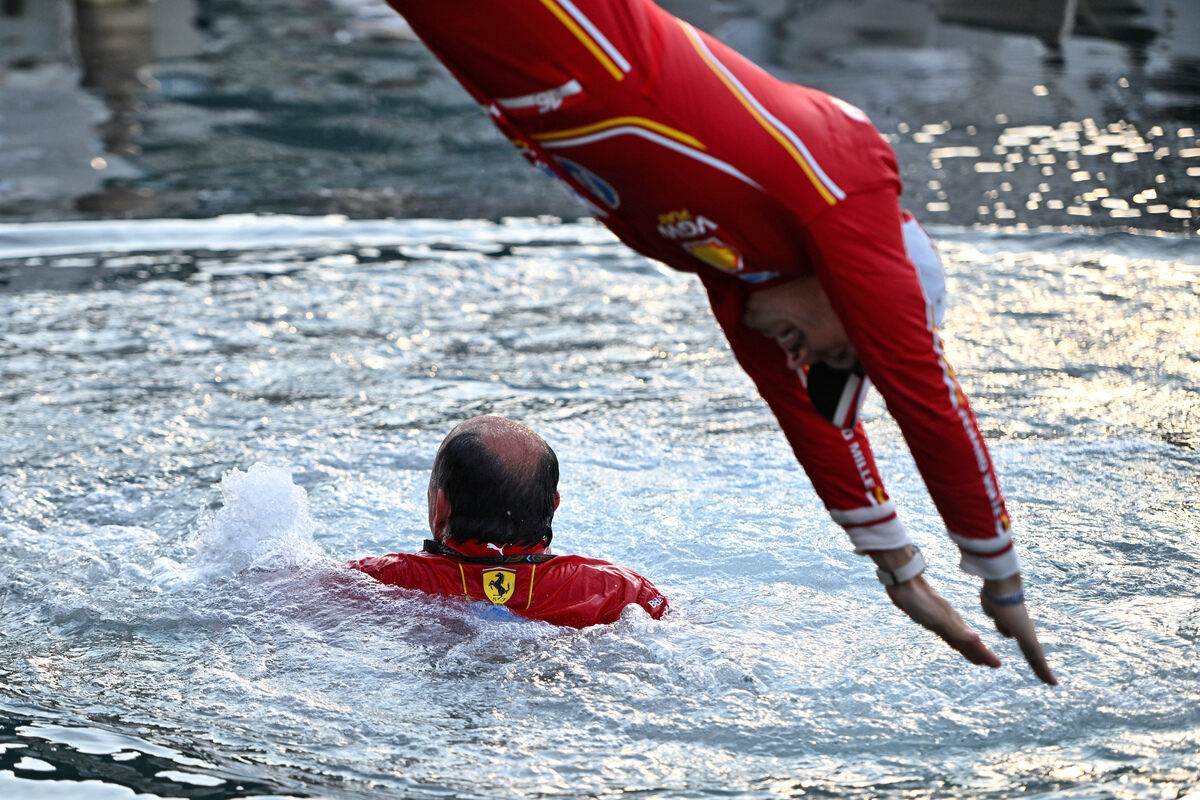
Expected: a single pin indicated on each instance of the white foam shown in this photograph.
(263, 524)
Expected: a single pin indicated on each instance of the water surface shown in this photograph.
(204, 418)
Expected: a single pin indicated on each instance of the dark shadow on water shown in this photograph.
(33, 758)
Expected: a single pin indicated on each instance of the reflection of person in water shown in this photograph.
(492, 497)
(785, 202)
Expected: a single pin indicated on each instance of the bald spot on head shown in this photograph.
(515, 446)
(500, 482)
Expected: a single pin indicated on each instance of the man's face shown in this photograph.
(797, 315)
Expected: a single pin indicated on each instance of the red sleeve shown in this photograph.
(387, 569)
(859, 256)
(839, 463)
(585, 591)
(651, 599)
(614, 588)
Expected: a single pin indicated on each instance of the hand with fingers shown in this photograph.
(900, 571)
(1004, 602)
(922, 603)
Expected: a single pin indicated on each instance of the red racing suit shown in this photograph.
(694, 156)
(563, 590)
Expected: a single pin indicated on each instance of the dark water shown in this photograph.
(200, 107)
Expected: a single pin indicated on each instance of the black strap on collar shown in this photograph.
(438, 549)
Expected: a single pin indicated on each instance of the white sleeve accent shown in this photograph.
(924, 256)
(863, 515)
(872, 527)
(994, 567)
(851, 401)
(982, 547)
(979, 556)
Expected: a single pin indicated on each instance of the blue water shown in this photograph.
(203, 419)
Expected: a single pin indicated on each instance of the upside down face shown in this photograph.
(798, 316)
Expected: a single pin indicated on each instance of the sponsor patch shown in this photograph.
(683, 224)
(599, 188)
(542, 102)
(712, 250)
(592, 208)
(498, 584)
(716, 253)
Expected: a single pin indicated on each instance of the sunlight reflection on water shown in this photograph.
(342, 360)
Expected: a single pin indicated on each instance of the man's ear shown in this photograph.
(439, 516)
(557, 500)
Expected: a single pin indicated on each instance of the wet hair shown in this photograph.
(494, 500)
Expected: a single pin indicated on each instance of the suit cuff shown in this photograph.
(992, 559)
(872, 528)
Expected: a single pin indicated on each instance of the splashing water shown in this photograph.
(159, 633)
(263, 524)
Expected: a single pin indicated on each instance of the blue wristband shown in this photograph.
(1014, 599)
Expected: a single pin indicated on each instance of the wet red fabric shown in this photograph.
(567, 590)
(696, 157)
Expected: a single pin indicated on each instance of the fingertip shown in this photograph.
(978, 653)
(988, 659)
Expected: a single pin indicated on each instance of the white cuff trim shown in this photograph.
(888, 535)
(865, 515)
(994, 568)
(982, 546)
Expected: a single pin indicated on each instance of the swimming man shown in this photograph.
(492, 497)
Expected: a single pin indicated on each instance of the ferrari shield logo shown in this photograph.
(716, 253)
(498, 585)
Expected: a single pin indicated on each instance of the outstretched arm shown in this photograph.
(946, 443)
(922, 603)
(838, 462)
(850, 487)
(860, 257)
